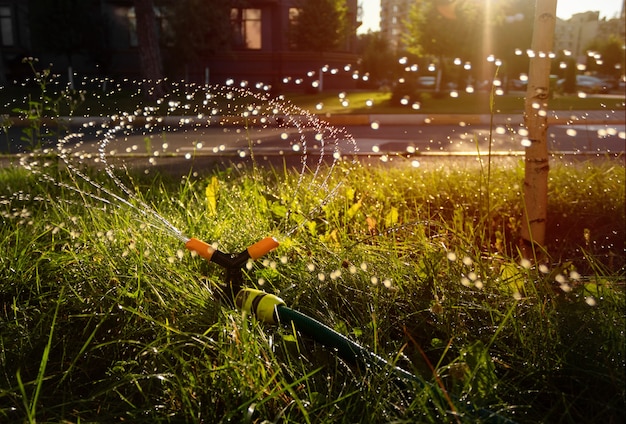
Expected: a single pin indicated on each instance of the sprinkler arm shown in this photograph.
(232, 263)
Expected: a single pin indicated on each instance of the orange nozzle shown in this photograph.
(201, 248)
(260, 248)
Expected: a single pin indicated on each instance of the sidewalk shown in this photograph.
(592, 117)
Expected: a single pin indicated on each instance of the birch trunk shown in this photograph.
(536, 121)
(149, 48)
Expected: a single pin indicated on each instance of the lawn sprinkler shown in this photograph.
(271, 309)
(232, 263)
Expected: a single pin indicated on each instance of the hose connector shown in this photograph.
(260, 304)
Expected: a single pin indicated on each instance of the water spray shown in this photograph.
(272, 309)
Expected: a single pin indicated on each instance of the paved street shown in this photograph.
(379, 136)
(420, 139)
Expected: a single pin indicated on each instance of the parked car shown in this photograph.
(611, 82)
(518, 84)
(426, 82)
(586, 84)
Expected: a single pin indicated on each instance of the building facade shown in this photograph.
(261, 50)
(393, 13)
(574, 34)
(262, 44)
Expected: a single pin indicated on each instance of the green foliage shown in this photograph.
(320, 25)
(46, 104)
(611, 51)
(377, 59)
(471, 31)
(434, 33)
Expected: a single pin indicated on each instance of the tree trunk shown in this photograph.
(536, 121)
(149, 49)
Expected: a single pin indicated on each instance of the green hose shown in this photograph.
(346, 348)
(272, 309)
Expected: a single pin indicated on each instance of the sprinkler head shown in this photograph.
(232, 263)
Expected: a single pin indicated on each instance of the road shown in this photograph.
(389, 139)
(464, 139)
(236, 141)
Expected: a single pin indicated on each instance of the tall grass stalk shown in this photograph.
(31, 402)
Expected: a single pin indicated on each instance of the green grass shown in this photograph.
(105, 318)
(94, 102)
(465, 103)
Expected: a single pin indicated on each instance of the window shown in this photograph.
(132, 28)
(246, 27)
(6, 26)
(294, 13)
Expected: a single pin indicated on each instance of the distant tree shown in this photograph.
(611, 53)
(469, 30)
(320, 25)
(513, 35)
(444, 29)
(149, 49)
(377, 59)
(196, 29)
(567, 73)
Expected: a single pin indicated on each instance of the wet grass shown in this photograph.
(376, 102)
(105, 318)
(93, 101)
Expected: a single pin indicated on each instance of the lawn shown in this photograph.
(107, 317)
(375, 102)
